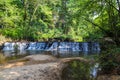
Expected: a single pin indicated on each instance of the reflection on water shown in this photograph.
(79, 71)
(72, 54)
(54, 53)
(75, 71)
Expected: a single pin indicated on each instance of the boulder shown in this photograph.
(50, 69)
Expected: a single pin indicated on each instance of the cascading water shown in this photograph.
(60, 46)
(69, 46)
(8, 46)
(11, 48)
(63, 48)
(32, 46)
(75, 46)
(21, 46)
(40, 45)
(85, 46)
(53, 47)
(95, 46)
(12, 45)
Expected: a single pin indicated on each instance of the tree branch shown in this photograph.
(105, 31)
(112, 5)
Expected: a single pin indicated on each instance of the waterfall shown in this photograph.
(85, 46)
(75, 46)
(95, 46)
(36, 46)
(32, 46)
(21, 46)
(8, 46)
(40, 45)
(11, 46)
(64, 46)
(69, 46)
(55, 46)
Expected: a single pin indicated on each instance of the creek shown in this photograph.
(76, 70)
(59, 49)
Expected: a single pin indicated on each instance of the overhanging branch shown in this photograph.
(102, 29)
(112, 5)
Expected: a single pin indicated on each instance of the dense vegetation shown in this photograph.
(78, 20)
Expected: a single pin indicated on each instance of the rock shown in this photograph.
(50, 70)
(41, 58)
(108, 77)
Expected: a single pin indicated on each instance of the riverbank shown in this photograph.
(38, 67)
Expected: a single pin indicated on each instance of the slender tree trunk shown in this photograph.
(25, 18)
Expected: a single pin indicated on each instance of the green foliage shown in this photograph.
(39, 19)
(110, 61)
(104, 17)
(78, 20)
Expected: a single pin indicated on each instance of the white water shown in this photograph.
(8, 46)
(61, 47)
(53, 47)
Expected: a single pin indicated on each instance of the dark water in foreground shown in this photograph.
(75, 71)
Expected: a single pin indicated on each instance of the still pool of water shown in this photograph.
(80, 71)
(59, 54)
(75, 71)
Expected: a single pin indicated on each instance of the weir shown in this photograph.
(54, 46)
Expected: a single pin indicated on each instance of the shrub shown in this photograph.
(110, 61)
